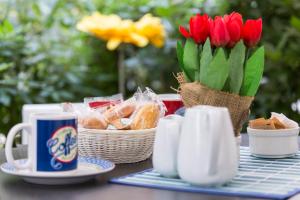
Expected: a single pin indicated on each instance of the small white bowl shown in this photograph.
(279, 143)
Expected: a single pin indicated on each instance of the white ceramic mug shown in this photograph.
(207, 149)
(166, 145)
(52, 144)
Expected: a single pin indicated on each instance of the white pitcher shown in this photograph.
(207, 148)
(166, 145)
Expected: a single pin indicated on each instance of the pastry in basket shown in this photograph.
(119, 111)
(146, 117)
(141, 111)
(120, 125)
(94, 123)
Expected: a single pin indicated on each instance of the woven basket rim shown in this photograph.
(118, 146)
(116, 132)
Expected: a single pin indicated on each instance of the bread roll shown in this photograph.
(119, 111)
(94, 123)
(146, 117)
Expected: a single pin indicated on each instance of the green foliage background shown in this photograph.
(43, 58)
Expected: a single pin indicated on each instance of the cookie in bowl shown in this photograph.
(276, 137)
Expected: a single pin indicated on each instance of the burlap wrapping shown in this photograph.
(196, 94)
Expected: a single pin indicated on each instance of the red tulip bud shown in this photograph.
(184, 32)
(252, 32)
(219, 35)
(199, 28)
(234, 24)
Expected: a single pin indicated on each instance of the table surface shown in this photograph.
(98, 189)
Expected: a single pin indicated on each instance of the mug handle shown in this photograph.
(9, 143)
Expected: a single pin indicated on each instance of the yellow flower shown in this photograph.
(152, 28)
(115, 31)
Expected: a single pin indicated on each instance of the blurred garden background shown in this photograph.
(45, 59)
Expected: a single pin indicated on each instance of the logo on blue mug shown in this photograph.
(62, 146)
(57, 145)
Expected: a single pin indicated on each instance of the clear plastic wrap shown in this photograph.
(102, 102)
(141, 111)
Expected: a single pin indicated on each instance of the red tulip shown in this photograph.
(199, 28)
(184, 32)
(234, 24)
(219, 35)
(252, 32)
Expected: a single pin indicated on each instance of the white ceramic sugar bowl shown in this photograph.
(278, 143)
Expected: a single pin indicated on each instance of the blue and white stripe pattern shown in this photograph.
(261, 178)
(104, 164)
(12, 168)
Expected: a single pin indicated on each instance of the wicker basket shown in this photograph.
(118, 146)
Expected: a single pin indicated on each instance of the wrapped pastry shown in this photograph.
(262, 123)
(277, 121)
(278, 124)
(288, 123)
(122, 110)
(121, 124)
(80, 110)
(148, 96)
(94, 123)
(103, 102)
(146, 117)
(142, 111)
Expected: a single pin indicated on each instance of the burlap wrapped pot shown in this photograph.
(197, 94)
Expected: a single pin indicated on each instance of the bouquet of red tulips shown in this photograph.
(220, 63)
(221, 53)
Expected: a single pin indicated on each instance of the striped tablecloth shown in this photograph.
(261, 178)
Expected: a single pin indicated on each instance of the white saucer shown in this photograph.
(87, 169)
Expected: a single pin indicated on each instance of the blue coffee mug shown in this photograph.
(52, 144)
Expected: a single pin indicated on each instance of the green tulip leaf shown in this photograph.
(217, 73)
(199, 58)
(179, 51)
(190, 59)
(253, 73)
(236, 65)
(226, 87)
(205, 59)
